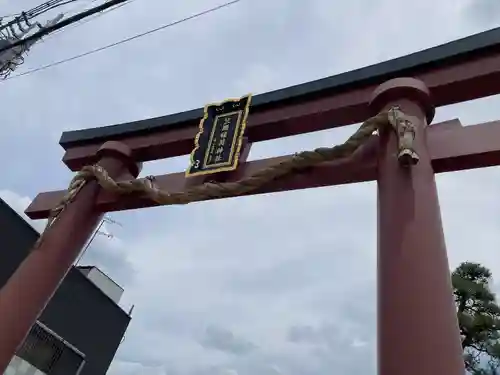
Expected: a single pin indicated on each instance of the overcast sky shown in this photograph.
(292, 290)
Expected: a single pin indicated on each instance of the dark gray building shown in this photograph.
(81, 327)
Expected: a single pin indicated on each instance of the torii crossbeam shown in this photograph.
(411, 245)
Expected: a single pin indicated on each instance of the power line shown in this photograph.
(61, 4)
(137, 36)
(14, 57)
(25, 17)
(79, 7)
(17, 58)
(22, 23)
(83, 22)
(68, 21)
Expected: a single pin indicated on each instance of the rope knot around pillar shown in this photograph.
(77, 183)
(406, 131)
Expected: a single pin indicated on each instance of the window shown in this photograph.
(49, 353)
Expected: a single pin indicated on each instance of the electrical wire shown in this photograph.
(34, 12)
(22, 21)
(45, 7)
(59, 5)
(84, 21)
(23, 44)
(44, 31)
(126, 40)
(79, 7)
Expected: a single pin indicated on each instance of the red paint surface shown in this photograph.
(417, 322)
(30, 288)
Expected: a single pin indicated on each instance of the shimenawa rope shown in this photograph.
(394, 117)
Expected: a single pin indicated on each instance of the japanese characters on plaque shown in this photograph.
(218, 142)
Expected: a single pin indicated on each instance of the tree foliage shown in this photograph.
(479, 318)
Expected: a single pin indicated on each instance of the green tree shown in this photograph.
(479, 318)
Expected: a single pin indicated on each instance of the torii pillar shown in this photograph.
(417, 324)
(29, 289)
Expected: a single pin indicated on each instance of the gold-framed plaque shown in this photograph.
(218, 143)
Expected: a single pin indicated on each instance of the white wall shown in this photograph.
(19, 366)
(103, 282)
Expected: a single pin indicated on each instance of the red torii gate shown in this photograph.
(411, 246)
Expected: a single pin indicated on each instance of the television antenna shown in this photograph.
(100, 232)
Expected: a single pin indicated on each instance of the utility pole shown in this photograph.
(15, 31)
(16, 37)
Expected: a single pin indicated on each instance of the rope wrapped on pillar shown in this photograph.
(29, 289)
(411, 240)
(413, 270)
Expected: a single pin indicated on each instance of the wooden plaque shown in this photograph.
(218, 143)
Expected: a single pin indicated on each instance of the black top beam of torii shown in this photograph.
(451, 53)
(458, 71)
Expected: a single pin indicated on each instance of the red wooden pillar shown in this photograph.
(29, 289)
(417, 324)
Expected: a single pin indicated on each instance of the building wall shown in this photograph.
(92, 322)
(79, 311)
(16, 237)
(103, 282)
(49, 352)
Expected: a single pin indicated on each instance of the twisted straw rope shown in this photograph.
(211, 190)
